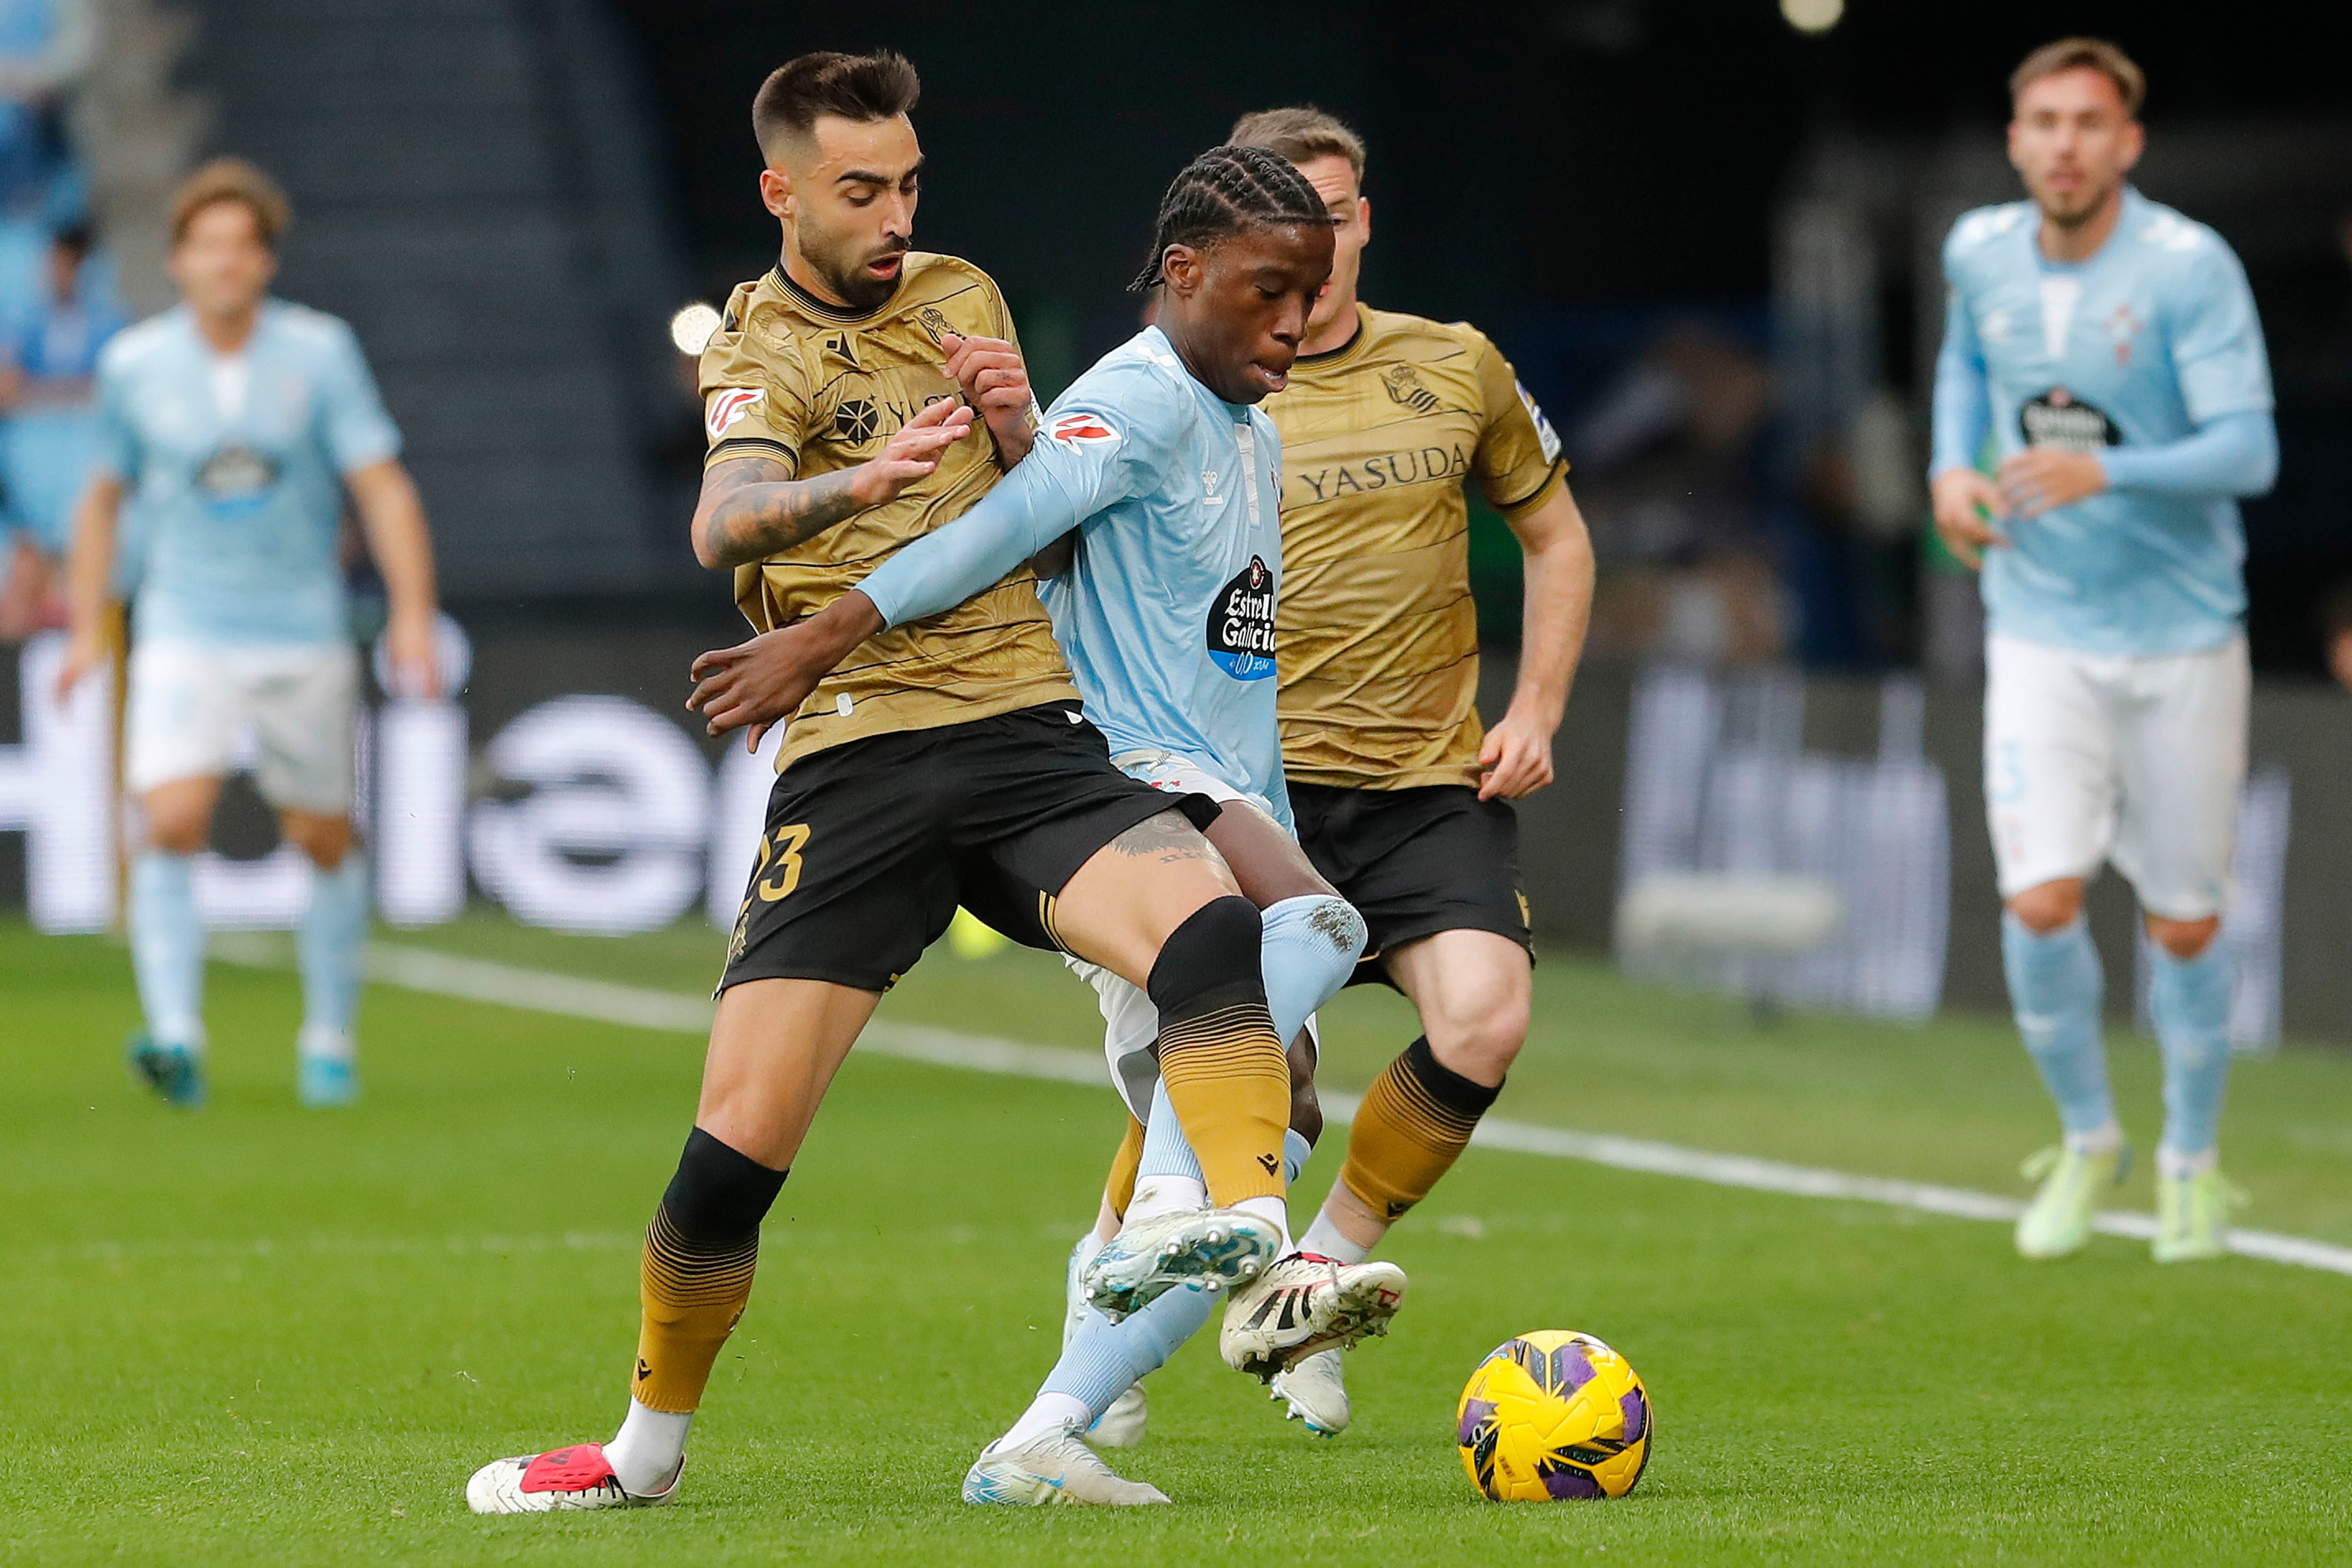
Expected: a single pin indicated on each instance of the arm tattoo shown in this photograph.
(754, 509)
(1166, 837)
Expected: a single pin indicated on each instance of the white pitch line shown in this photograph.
(539, 990)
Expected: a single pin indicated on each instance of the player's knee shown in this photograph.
(2184, 939)
(1210, 960)
(2049, 908)
(719, 1194)
(325, 839)
(182, 833)
(1481, 1045)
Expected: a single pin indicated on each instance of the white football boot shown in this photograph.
(574, 1477)
(1212, 1248)
(1306, 1303)
(1317, 1389)
(1054, 1468)
(1121, 1426)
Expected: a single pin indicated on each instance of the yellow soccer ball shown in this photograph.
(1554, 1415)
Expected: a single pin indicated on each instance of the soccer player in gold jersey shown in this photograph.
(941, 762)
(1403, 797)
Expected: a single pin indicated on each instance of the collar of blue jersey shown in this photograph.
(1355, 341)
(826, 308)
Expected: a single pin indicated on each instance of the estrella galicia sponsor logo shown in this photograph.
(1241, 623)
(2058, 418)
(237, 479)
(1413, 465)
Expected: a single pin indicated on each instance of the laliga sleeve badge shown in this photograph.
(726, 406)
(1081, 430)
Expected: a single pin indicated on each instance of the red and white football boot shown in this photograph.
(576, 1476)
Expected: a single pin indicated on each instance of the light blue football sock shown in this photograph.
(1311, 947)
(1104, 1358)
(2190, 998)
(333, 938)
(2055, 987)
(167, 948)
(1165, 1152)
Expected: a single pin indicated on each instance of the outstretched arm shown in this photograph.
(752, 507)
(398, 537)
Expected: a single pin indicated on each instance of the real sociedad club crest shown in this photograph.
(1241, 623)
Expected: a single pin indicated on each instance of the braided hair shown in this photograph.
(1228, 190)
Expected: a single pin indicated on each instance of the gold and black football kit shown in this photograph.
(1377, 632)
(945, 761)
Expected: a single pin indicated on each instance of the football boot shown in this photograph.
(1054, 1468)
(1305, 1303)
(1210, 1248)
(2058, 1221)
(2192, 1217)
(1316, 1389)
(174, 1073)
(574, 1477)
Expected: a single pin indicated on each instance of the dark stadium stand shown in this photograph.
(474, 193)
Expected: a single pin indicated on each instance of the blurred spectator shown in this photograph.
(1667, 465)
(48, 424)
(44, 48)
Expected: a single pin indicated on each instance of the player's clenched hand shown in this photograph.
(2041, 479)
(912, 452)
(1515, 759)
(996, 382)
(1962, 497)
(757, 684)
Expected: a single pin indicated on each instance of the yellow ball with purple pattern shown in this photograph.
(1551, 1416)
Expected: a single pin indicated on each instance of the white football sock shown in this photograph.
(2172, 1165)
(1158, 1195)
(645, 1451)
(2103, 1139)
(1274, 1212)
(1047, 1413)
(1324, 1240)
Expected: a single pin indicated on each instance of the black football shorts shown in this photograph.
(870, 845)
(1415, 862)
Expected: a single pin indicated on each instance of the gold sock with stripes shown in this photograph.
(1118, 1188)
(1227, 1077)
(1414, 1123)
(700, 1254)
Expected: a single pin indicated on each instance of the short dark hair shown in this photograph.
(232, 180)
(863, 87)
(1224, 192)
(1299, 134)
(2084, 54)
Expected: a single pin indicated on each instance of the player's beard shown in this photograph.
(843, 270)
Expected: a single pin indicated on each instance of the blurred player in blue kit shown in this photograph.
(237, 424)
(2110, 348)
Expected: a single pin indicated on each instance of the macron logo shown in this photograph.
(727, 405)
(1081, 430)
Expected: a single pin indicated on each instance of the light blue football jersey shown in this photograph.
(2154, 336)
(237, 473)
(1167, 612)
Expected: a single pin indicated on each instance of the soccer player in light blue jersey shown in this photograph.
(2110, 348)
(1157, 464)
(237, 424)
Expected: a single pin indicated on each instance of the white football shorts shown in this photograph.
(191, 707)
(2097, 757)
(1130, 1022)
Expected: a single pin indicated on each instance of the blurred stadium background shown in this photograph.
(1706, 232)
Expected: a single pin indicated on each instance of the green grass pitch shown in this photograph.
(260, 1335)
